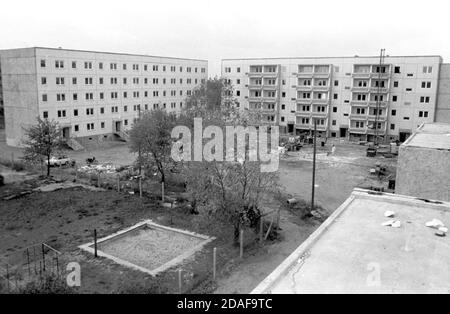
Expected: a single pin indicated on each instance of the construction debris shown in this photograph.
(96, 168)
(392, 223)
(389, 214)
(435, 223)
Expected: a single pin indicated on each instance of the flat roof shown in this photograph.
(430, 135)
(334, 57)
(352, 252)
(106, 52)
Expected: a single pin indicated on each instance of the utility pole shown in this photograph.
(140, 166)
(314, 165)
(378, 96)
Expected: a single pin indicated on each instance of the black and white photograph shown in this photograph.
(224, 153)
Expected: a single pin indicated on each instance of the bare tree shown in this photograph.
(152, 135)
(42, 141)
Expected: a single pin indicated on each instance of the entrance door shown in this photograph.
(290, 128)
(66, 133)
(118, 126)
(403, 136)
(343, 132)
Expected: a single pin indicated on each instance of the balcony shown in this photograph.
(381, 118)
(321, 88)
(320, 101)
(360, 89)
(255, 74)
(270, 86)
(304, 101)
(321, 75)
(359, 103)
(304, 88)
(359, 117)
(255, 99)
(269, 99)
(357, 130)
(373, 131)
(381, 104)
(305, 74)
(361, 75)
(381, 90)
(303, 126)
(316, 114)
(255, 86)
(270, 74)
(380, 75)
(305, 114)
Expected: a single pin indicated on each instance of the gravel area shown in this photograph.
(149, 247)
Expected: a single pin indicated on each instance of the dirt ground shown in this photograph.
(66, 218)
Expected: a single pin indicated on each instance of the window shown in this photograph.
(74, 81)
(283, 94)
(405, 118)
(89, 111)
(90, 126)
(102, 110)
(238, 70)
(100, 65)
(426, 84)
(238, 93)
(76, 127)
(75, 112)
(392, 126)
(60, 81)
(409, 89)
(124, 66)
(396, 84)
(45, 114)
(74, 64)
(393, 112)
(334, 109)
(333, 122)
(100, 80)
(113, 66)
(425, 99)
(427, 69)
(335, 96)
(75, 96)
(394, 98)
(410, 74)
(88, 65)
(43, 80)
(43, 64)
(336, 83)
(59, 64)
(102, 125)
(61, 113)
(397, 70)
(60, 97)
(102, 95)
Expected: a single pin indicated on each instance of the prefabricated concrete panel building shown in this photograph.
(423, 168)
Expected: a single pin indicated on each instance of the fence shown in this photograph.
(30, 264)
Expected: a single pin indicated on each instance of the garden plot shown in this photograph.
(149, 247)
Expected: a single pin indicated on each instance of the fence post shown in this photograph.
(241, 240)
(28, 262)
(140, 186)
(95, 242)
(261, 225)
(179, 281)
(214, 263)
(43, 257)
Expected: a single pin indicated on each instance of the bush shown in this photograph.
(48, 285)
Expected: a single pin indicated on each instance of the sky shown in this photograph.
(215, 30)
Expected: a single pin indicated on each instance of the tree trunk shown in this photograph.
(48, 166)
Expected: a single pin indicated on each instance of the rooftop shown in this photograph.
(352, 252)
(106, 52)
(334, 57)
(430, 135)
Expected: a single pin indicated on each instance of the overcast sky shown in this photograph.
(212, 30)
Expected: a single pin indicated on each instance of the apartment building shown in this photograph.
(93, 95)
(358, 98)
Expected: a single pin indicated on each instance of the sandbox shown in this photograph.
(149, 247)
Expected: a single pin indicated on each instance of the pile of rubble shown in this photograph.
(98, 168)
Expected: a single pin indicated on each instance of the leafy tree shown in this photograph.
(151, 134)
(42, 141)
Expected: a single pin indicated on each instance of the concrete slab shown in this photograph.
(353, 253)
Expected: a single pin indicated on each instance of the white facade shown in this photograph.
(343, 93)
(91, 93)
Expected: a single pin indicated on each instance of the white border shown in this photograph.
(88, 247)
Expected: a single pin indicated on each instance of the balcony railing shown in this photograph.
(306, 101)
(306, 88)
(359, 103)
(358, 130)
(320, 101)
(355, 116)
(303, 113)
(255, 86)
(373, 131)
(361, 75)
(318, 114)
(360, 89)
(305, 74)
(381, 90)
(380, 118)
(321, 88)
(380, 75)
(381, 104)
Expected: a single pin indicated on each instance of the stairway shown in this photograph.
(74, 144)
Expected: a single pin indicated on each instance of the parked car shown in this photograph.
(60, 161)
